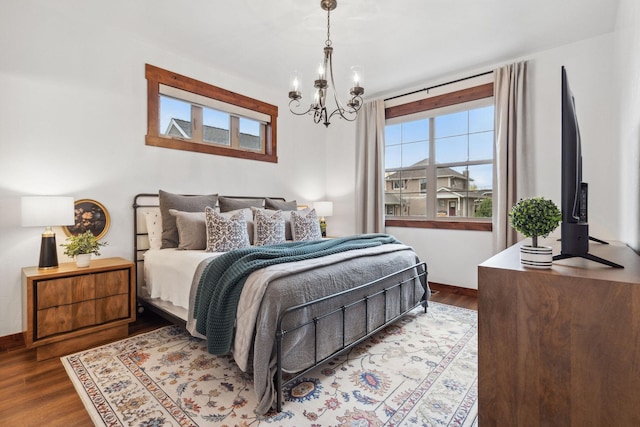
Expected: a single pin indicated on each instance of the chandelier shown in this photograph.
(319, 106)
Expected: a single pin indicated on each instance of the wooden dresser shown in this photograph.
(559, 347)
(68, 309)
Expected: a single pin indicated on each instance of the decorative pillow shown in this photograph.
(248, 215)
(225, 234)
(227, 204)
(287, 222)
(279, 205)
(269, 227)
(170, 238)
(192, 230)
(154, 228)
(305, 225)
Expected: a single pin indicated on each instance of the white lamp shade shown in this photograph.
(323, 208)
(47, 211)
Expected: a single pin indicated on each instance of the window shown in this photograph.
(441, 149)
(186, 114)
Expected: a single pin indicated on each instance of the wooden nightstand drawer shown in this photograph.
(112, 283)
(112, 308)
(52, 293)
(54, 320)
(70, 308)
(83, 314)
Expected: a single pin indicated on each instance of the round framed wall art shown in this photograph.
(89, 215)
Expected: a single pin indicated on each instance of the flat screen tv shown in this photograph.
(575, 227)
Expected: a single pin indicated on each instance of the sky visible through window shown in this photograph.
(459, 137)
(171, 108)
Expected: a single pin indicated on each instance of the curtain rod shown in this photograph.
(439, 85)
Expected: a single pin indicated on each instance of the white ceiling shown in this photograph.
(398, 44)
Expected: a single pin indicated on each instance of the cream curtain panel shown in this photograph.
(510, 156)
(370, 168)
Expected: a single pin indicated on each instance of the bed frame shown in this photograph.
(399, 280)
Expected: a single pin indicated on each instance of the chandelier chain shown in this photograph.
(328, 42)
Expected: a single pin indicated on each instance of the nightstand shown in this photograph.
(69, 309)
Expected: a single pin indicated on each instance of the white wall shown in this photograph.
(627, 77)
(589, 66)
(452, 255)
(73, 121)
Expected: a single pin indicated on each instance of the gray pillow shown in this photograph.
(192, 230)
(279, 205)
(227, 204)
(170, 237)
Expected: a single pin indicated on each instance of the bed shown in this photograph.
(291, 316)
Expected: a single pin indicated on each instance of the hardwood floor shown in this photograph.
(36, 393)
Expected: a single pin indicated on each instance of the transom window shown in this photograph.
(443, 157)
(186, 114)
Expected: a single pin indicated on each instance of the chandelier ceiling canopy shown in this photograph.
(325, 83)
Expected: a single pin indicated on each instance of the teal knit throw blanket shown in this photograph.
(222, 280)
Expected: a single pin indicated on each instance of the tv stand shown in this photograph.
(575, 243)
(589, 257)
(598, 240)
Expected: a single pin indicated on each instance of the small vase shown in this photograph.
(536, 257)
(83, 260)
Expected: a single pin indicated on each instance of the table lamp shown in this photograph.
(47, 211)
(323, 209)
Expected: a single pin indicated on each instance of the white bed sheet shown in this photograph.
(168, 273)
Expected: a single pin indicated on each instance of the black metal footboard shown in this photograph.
(406, 302)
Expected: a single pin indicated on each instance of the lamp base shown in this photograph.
(323, 227)
(48, 251)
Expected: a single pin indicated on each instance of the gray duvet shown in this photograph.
(268, 292)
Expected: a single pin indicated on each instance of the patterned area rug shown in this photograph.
(420, 371)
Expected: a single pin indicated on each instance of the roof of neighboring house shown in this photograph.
(182, 128)
(410, 173)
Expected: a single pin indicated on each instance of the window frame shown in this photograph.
(157, 76)
(474, 93)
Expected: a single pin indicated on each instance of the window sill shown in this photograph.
(200, 147)
(440, 224)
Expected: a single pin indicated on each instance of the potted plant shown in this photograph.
(82, 246)
(535, 217)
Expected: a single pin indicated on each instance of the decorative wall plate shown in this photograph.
(89, 215)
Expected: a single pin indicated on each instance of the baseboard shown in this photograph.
(12, 342)
(441, 287)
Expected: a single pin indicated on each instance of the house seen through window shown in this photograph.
(439, 162)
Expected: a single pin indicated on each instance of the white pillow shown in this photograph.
(269, 227)
(305, 225)
(154, 228)
(225, 234)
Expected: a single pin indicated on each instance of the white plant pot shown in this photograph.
(536, 257)
(83, 260)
